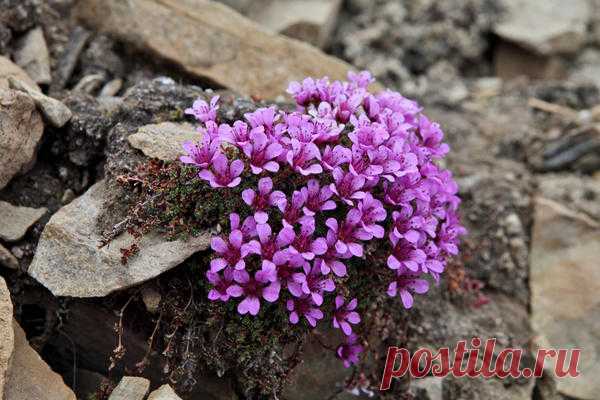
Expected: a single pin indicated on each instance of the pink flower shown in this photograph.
(405, 255)
(202, 111)
(220, 284)
(406, 285)
(311, 282)
(330, 261)
(349, 233)
(293, 210)
(200, 155)
(349, 351)
(261, 201)
(262, 153)
(347, 186)
(345, 315)
(317, 198)
(263, 117)
(305, 245)
(232, 251)
(335, 157)
(301, 157)
(372, 211)
(248, 228)
(224, 175)
(237, 135)
(269, 246)
(304, 307)
(253, 288)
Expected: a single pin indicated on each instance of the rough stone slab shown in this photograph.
(210, 40)
(55, 112)
(14, 220)
(32, 55)
(69, 263)
(131, 388)
(165, 392)
(164, 140)
(8, 69)
(312, 21)
(6, 334)
(21, 130)
(7, 259)
(565, 282)
(30, 377)
(546, 27)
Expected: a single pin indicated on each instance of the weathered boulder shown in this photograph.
(165, 392)
(17, 220)
(312, 21)
(21, 129)
(565, 281)
(6, 334)
(7, 259)
(69, 262)
(210, 40)
(55, 112)
(30, 377)
(8, 69)
(163, 141)
(546, 27)
(32, 55)
(131, 388)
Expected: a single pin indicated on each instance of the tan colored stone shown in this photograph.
(21, 129)
(7, 259)
(7, 340)
(546, 27)
(8, 68)
(69, 262)
(55, 112)
(15, 221)
(30, 377)
(511, 61)
(565, 282)
(210, 40)
(311, 21)
(131, 388)
(164, 140)
(32, 55)
(165, 392)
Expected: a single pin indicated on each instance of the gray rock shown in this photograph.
(311, 21)
(269, 61)
(69, 263)
(16, 220)
(165, 392)
(481, 388)
(111, 88)
(7, 259)
(429, 388)
(565, 281)
(164, 140)
(21, 130)
(7, 340)
(55, 112)
(546, 27)
(32, 55)
(131, 388)
(30, 377)
(8, 69)
(89, 83)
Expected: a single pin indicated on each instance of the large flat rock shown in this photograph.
(565, 282)
(69, 262)
(546, 27)
(16, 220)
(163, 141)
(210, 40)
(30, 377)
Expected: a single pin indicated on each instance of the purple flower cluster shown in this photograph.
(346, 169)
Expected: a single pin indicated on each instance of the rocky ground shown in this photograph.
(90, 90)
